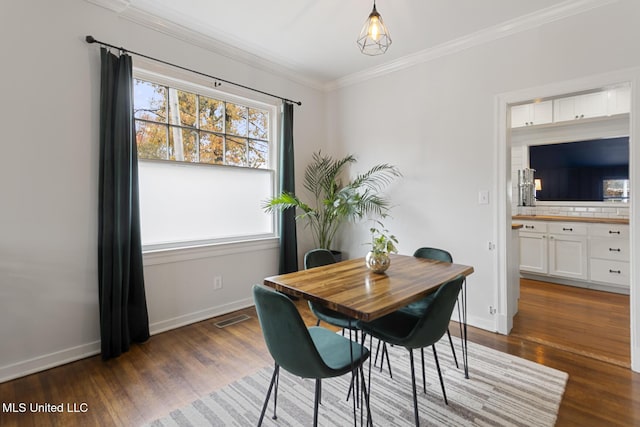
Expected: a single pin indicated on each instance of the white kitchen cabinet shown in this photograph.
(614, 249)
(536, 113)
(609, 254)
(568, 251)
(580, 106)
(610, 272)
(533, 247)
(619, 100)
(584, 254)
(604, 103)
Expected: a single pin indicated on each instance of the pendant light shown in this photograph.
(374, 37)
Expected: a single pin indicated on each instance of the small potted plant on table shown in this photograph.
(382, 244)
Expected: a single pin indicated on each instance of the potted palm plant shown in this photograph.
(335, 202)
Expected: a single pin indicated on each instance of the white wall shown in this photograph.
(436, 122)
(49, 181)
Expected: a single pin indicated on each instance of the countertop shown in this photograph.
(570, 219)
(515, 226)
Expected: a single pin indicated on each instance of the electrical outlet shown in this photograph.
(217, 283)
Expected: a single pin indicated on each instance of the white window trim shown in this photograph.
(209, 250)
(190, 82)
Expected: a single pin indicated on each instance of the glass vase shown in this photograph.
(378, 262)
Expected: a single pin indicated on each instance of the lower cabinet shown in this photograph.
(533, 252)
(568, 251)
(610, 272)
(533, 247)
(609, 254)
(589, 254)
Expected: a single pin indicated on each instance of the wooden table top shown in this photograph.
(350, 288)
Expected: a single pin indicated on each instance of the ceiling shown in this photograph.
(317, 38)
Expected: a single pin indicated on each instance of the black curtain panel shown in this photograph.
(123, 307)
(288, 238)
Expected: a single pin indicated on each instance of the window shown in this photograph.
(205, 163)
(172, 124)
(616, 190)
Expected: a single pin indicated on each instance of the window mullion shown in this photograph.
(224, 135)
(246, 148)
(197, 121)
(166, 120)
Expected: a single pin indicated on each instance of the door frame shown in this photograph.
(503, 188)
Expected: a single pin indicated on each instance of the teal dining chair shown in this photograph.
(313, 352)
(416, 308)
(318, 258)
(413, 332)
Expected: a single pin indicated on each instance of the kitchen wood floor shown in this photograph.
(582, 321)
(179, 366)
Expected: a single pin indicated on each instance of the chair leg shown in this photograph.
(435, 356)
(424, 376)
(275, 395)
(355, 382)
(413, 384)
(375, 363)
(385, 351)
(316, 401)
(350, 388)
(266, 400)
(370, 346)
(366, 397)
(453, 350)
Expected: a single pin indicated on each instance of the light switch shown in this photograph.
(483, 197)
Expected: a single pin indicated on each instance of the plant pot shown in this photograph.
(378, 262)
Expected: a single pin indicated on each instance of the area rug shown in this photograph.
(502, 390)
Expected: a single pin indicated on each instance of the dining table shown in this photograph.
(351, 288)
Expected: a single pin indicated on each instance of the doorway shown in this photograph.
(505, 194)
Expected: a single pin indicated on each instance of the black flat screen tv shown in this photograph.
(585, 171)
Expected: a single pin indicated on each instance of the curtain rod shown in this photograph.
(91, 39)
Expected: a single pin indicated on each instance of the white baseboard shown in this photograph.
(62, 357)
(198, 316)
(47, 361)
(503, 324)
(635, 359)
(577, 283)
(481, 322)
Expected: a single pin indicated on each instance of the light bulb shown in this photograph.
(374, 28)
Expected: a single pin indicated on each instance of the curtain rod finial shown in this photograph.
(90, 39)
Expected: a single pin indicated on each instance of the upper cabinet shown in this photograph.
(580, 107)
(596, 104)
(536, 113)
(619, 100)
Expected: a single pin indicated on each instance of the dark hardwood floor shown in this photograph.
(582, 321)
(179, 366)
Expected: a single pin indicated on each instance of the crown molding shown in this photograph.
(117, 6)
(530, 21)
(238, 53)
